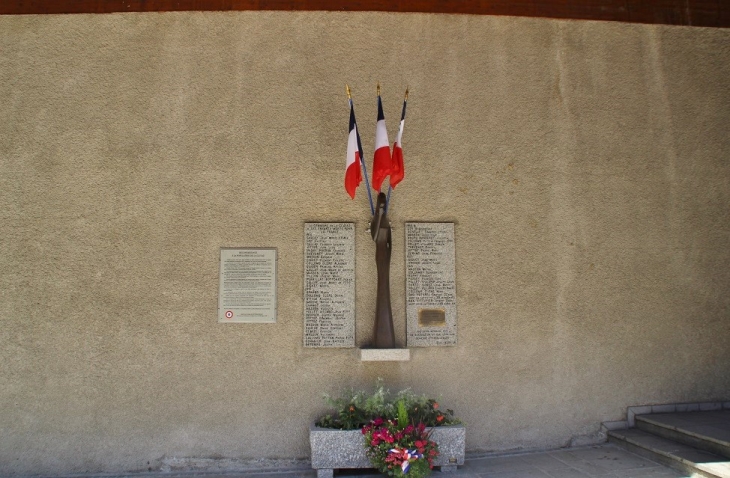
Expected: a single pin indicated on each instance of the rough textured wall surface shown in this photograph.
(584, 165)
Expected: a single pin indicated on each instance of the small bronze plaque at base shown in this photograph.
(431, 317)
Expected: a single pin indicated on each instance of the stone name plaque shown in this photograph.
(329, 284)
(247, 285)
(430, 284)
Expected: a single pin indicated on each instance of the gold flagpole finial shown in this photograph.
(378, 88)
(347, 88)
(406, 98)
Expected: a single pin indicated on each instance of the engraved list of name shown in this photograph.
(430, 284)
(329, 285)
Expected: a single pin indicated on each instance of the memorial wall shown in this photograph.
(182, 274)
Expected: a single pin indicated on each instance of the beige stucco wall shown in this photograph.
(584, 164)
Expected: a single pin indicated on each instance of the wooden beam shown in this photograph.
(710, 13)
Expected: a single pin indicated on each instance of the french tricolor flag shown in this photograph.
(353, 174)
(382, 160)
(397, 172)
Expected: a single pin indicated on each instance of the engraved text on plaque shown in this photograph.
(329, 284)
(247, 285)
(430, 284)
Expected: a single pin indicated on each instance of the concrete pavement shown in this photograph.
(600, 461)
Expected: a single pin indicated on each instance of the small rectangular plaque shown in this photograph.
(247, 285)
(329, 284)
(430, 284)
(431, 317)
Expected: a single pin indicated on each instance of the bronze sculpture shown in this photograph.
(383, 335)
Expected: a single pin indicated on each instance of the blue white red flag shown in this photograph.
(382, 160)
(397, 171)
(353, 173)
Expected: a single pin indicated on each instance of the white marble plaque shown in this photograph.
(329, 284)
(430, 284)
(247, 285)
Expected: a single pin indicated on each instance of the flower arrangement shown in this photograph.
(355, 409)
(395, 429)
(396, 450)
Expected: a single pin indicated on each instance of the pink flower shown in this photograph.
(409, 429)
(378, 421)
(393, 457)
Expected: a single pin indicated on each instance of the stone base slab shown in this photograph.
(385, 355)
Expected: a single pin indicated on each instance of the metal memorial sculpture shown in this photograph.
(385, 165)
(383, 334)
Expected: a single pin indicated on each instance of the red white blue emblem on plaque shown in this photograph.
(229, 314)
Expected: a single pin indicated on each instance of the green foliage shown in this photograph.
(354, 409)
(418, 468)
(402, 414)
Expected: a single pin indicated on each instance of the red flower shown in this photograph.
(409, 429)
(435, 405)
(440, 418)
(378, 421)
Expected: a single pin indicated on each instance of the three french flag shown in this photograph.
(384, 164)
(382, 159)
(353, 173)
(396, 171)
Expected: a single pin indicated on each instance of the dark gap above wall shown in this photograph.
(708, 13)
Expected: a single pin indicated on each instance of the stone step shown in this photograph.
(709, 431)
(667, 452)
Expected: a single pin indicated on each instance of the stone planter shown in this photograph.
(334, 449)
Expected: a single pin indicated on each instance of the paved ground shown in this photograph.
(603, 461)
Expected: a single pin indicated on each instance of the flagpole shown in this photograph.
(362, 159)
(387, 200)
